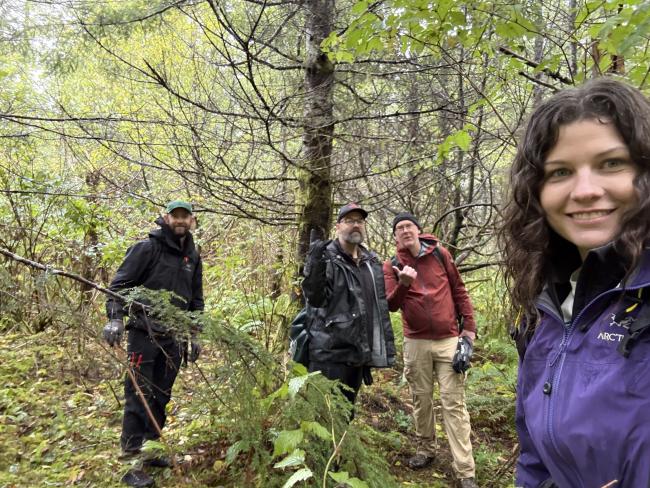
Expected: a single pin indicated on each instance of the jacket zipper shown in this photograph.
(348, 282)
(432, 312)
(554, 380)
(377, 318)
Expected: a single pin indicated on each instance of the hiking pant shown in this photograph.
(154, 361)
(426, 361)
(351, 376)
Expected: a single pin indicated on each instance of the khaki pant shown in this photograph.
(424, 362)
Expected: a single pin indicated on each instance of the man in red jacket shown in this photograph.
(423, 282)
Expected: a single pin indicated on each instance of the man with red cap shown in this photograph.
(344, 284)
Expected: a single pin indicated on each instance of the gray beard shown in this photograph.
(354, 238)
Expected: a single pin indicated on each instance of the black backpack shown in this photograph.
(299, 336)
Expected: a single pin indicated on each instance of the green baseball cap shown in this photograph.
(173, 205)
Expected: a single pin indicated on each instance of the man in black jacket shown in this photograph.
(351, 331)
(167, 260)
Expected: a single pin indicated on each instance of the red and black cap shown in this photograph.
(351, 207)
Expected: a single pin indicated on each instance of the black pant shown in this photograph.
(351, 376)
(154, 362)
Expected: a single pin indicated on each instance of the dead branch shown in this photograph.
(528, 62)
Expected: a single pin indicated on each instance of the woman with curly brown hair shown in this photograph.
(575, 245)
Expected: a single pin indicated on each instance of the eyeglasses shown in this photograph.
(354, 221)
(404, 227)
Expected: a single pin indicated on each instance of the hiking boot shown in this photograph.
(158, 462)
(420, 461)
(137, 478)
(468, 483)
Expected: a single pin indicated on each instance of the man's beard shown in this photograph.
(179, 230)
(353, 237)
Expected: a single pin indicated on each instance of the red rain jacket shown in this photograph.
(430, 305)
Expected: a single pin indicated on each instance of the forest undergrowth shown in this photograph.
(60, 414)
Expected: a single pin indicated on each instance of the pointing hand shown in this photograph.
(406, 275)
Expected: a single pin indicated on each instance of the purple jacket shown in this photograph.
(583, 410)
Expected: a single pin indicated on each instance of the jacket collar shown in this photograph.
(429, 239)
(165, 235)
(363, 251)
(603, 269)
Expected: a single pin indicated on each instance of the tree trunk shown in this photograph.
(315, 180)
(91, 239)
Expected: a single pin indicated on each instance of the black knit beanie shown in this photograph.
(405, 216)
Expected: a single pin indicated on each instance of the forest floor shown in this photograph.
(389, 409)
(60, 419)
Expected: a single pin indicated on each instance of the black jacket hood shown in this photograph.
(165, 235)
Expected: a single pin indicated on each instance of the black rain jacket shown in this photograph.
(159, 263)
(338, 333)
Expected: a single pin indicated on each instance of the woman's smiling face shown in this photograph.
(588, 184)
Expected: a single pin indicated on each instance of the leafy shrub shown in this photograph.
(281, 425)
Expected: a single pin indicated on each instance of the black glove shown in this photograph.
(315, 259)
(113, 331)
(194, 351)
(463, 355)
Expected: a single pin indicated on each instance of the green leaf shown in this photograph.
(330, 42)
(233, 450)
(279, 393)
(359, 7)
(153, 446)
(357, 483)
(509, 30)
(375, 44)
(443, 8)
(344, 477)
(295, 384)
(463, 140)
(296, 458)
(300, 475)
(299, 369)
(604, 63)
(526, 25)
(344, 56)
(340, 477)
(353, 39)
(316, 429)
(287, 441)
(457, 18)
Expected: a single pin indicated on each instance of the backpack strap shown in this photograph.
(521, 333)
(156, 252)
(440, 256)
(637, 316)
(436, 252)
